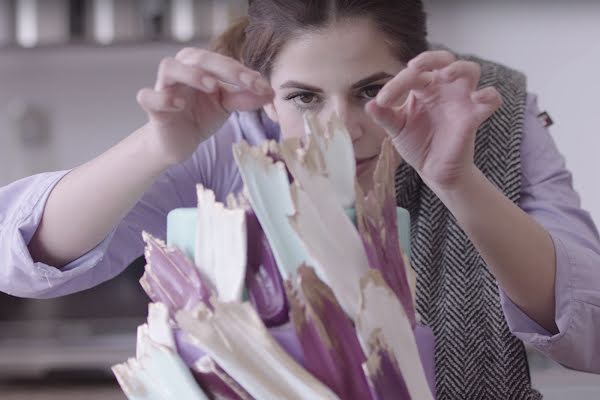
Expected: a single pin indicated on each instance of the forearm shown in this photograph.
(93, 198)
(518, 251)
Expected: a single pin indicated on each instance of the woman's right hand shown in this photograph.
(193, 96)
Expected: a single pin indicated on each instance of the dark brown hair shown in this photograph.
(256, 40)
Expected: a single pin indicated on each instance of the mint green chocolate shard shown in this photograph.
(181, 230)
(158, 374)
(268, 189)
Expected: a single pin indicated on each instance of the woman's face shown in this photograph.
(337, 69)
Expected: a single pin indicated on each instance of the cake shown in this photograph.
(298, 288)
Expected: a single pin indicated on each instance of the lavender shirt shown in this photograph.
(547, 195)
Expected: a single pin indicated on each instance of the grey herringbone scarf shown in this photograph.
(476, 356)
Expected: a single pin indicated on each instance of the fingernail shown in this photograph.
(247, 78)
(209, 83)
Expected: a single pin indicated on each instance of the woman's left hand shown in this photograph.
(432, 110)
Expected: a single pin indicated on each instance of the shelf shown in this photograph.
(90, 45)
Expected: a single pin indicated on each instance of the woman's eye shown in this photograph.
(371, 91)
(304, 99)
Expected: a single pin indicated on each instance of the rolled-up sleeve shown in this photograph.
(547, 195)
(22, 207)
(22, 204)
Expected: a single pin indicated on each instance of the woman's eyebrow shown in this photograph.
(371, 78)
(299, 85)
(363, 82)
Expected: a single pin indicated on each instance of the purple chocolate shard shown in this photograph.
(376, 217)
(171, 278)
(286, 336)
(332, 352)
(384, 253)
(383, 373)
(263, 280)
(189, 353)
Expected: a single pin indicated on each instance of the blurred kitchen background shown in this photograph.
(69, 73)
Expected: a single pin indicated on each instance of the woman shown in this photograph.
(500, 243)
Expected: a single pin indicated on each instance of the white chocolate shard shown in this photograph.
(221, 243)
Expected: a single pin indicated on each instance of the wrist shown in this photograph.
(470, 182)
(149, 149)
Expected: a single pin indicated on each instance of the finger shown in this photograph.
(391, 120)
(233, 75)
(487, 101)
(432, 60)
(152, 101)
(396, 90)
(171, 72)
(488, 95)
(245, 101)
(471, 71)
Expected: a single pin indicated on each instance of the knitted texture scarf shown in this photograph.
(476, 356)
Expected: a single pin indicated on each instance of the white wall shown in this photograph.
(557, 44)
(89, 94)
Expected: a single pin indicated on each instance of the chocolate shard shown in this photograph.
(377, 224)
(383, 373)
(234, 336)
(332, 352)
(171, 278)
(268, 189)
(394, 330)
(158, 373)
(217, 383)
(221, 242)
(263, 280)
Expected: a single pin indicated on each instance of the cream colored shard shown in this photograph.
(236, 338)
(396, 331)
(331, 240)
(336, 155)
